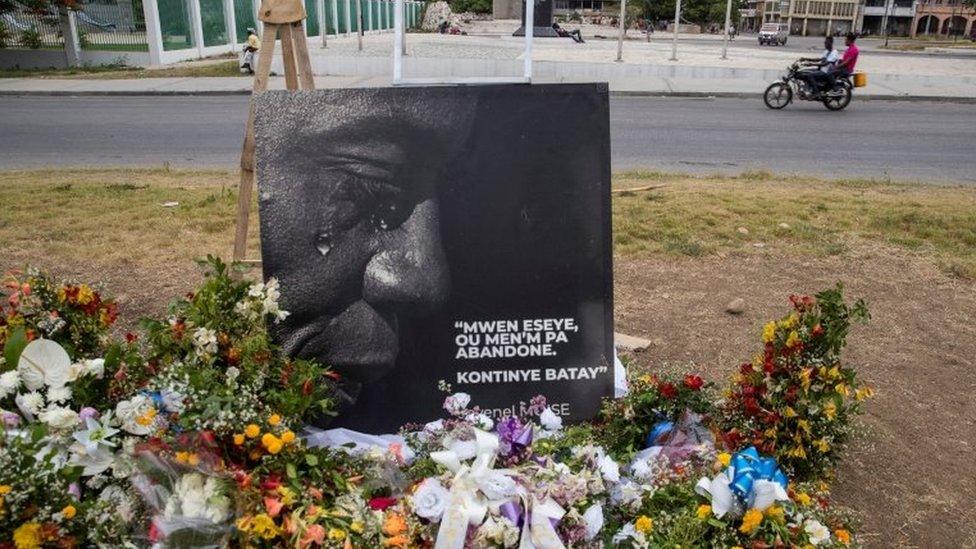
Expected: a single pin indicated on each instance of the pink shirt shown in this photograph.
(850, 57)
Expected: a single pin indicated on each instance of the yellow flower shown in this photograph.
(830, 410)
(182, 457)
(28, 536)
(842, 389)
(789, 412)
(797, 452)
(238, 439)
(793, 339)
(769, 332)
(5, 489)
(85, 294)
(803, 499)
(789, 322)
(263, 526)
(336, 534)
(69, 512)
(704, 511)
(724, 458)
(751, 521)
(822, 445)
(274, 420)
(805, 378)
(805, 425)
(843, 536)
(644, 524)
(776, 513)
(357, 527)
(287, 495)
(863, 393)
(147, 418)
(287, 437)
(252, 431)
(834, 372)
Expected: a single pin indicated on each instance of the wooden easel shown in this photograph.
(284, 19)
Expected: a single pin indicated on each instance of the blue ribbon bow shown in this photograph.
(748, 467)
(659, 430)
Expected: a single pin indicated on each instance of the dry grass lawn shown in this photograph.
(683, 249)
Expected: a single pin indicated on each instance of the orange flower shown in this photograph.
(394, 525)
(396, 541)
(273, 505)
(314, 534)
(843, 536)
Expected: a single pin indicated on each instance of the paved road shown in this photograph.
(877, 139)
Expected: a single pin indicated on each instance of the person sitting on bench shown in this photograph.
(563, 33)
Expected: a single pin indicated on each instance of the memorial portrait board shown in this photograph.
(442, 239)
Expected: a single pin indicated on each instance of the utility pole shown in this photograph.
(622, 23)
(728, 23)
(359, 23)
(677, 21)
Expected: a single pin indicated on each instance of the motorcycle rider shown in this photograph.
(816, 79)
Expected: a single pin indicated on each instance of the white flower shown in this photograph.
(59, 417)
(430, 500)
(232, 373)
(205, 340)
(457, 402)
(197, 497)
(96, 433)
(94, 367)
(43, 362)
(481, 421)
(593, 518)
(59, 394)
(434, 426)
(630, 533)
(136, 415)
(549, 420)
(819, 534)
(497, 485)
(94, 462)
(498, 532)
(610, 469)
(30, 404)
(9, 383)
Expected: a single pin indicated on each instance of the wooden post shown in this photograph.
(282, 18)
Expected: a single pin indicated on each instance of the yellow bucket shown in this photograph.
(860, 79)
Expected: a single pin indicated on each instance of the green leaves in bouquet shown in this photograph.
(15, 344)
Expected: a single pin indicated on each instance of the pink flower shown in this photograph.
(314, 534)
(273, 505)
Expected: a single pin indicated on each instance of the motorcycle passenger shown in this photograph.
(846, 66)
(817, 79)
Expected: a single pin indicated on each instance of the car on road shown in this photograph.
(774, 34)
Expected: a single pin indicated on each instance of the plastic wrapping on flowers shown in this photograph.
(187, 434)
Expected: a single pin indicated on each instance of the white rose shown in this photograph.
(819, 534)
(549, 420)
(497, 485)
(59, 417)
(9, 383)
(593, 518)
(133, 413)
(430, 500)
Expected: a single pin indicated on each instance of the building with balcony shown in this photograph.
(896, 14)
(821, 17)
(943, 17)
(750, 18)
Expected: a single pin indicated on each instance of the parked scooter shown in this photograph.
(794, 84)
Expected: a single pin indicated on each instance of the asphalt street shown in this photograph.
(904, 141)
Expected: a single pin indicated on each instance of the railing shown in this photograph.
(23, 28)
(108, 25)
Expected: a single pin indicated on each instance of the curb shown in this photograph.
(624, 93)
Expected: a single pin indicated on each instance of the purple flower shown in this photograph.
(513, 435)
(88, 412)
(11, 419)
(75, 490)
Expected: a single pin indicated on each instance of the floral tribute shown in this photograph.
(191, 433)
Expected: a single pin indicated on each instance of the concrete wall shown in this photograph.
(47, 59)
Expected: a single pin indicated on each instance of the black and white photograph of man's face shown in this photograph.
(363, 228)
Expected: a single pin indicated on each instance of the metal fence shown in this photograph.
(23, 28)
(112, 25)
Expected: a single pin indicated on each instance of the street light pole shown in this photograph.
(884, 20)
(622, 22)
(677, 20)
(728, 22)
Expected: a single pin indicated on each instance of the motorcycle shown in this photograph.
(780, 94)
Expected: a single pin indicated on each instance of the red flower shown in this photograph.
(131, 337)
(271, 482)
(668, 390)
(381, 503)
(751, 406)
(745, 369)
(307, 387)
(818, 330)
(694, 382)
